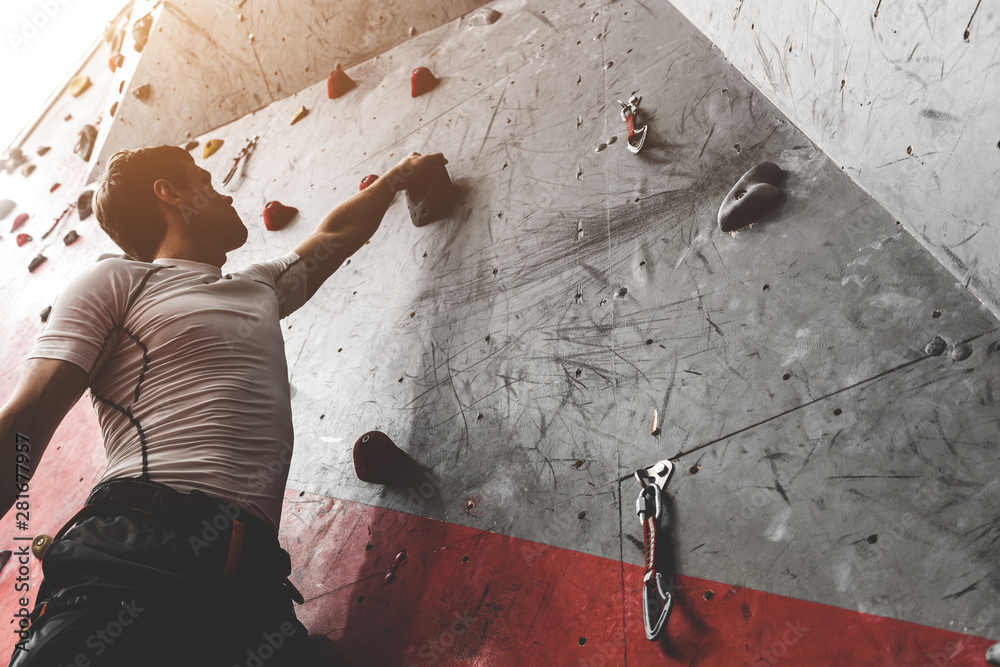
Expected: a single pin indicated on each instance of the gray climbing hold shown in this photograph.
(993, 654)
(936, 346)
(6, 206)
(85, 204)
(484, 16)
(45, 313)
(961, 352)
(36, 262)
(42, 150)
(71, 237)
(431, 197)
(755, 194)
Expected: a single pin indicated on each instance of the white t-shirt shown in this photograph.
(187, 371)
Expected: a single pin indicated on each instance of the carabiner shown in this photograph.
(642, 503)
(655, 604)
(636, 137)
(658, 474)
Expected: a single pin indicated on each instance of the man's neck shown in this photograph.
(190, 252)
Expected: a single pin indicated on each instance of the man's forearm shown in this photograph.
(19, 451)
(356, 220)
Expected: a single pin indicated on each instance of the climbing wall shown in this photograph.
(901, 95)
(823, 385)
(209, 63)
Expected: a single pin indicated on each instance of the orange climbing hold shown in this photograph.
(338, 83)
(210, 147)
(422, 81)
(79, 84)
(367, 180)
(277, 215)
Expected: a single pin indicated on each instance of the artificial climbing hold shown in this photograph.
(142, 92)
(338, 83)
(40, 545)
(753, 195)
(113, 109)
(140, 32)
(78, 84)
(367, 180)
(85, 204)
(85, 144)
(55, 186)
(12, 159)
(36, 262)
(44, 315)
(4, 557)
(191, 145)
(210, 147)
(27, 169)
(42, 150)
(431, 197)
(6, 206)
(376, 457)
(22, 239)
(114, 62)
(71, 237)
(421, 81)
(484, 16)
(277, 215)
(19, 222)
(300, 113)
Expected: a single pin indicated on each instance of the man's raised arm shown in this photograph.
(46, 391)
(346, 228)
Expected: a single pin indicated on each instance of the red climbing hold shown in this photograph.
(22, 239)
(338, 83)
(376, 457)
(368, 180)
(18, 222)
(421, 81)
(55, 186)
(277, 215)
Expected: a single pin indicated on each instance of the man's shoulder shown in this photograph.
(116, 269)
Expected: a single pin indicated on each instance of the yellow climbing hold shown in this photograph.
(78, 85)
(300, 113)
(210, 147)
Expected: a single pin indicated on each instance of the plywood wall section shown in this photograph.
(209, 63)
(899, 96)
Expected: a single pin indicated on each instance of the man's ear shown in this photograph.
(166, 192)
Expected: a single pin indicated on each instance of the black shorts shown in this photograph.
(146, 589)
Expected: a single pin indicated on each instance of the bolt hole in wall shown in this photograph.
(936, 314)
(694, 469)
(709, 594)
(582, 641)
(837, 412)
(786, 376)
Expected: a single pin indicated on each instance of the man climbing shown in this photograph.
(175, 559)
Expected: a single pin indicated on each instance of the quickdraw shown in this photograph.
(636, 138)
(244, 153)
(656, 599)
